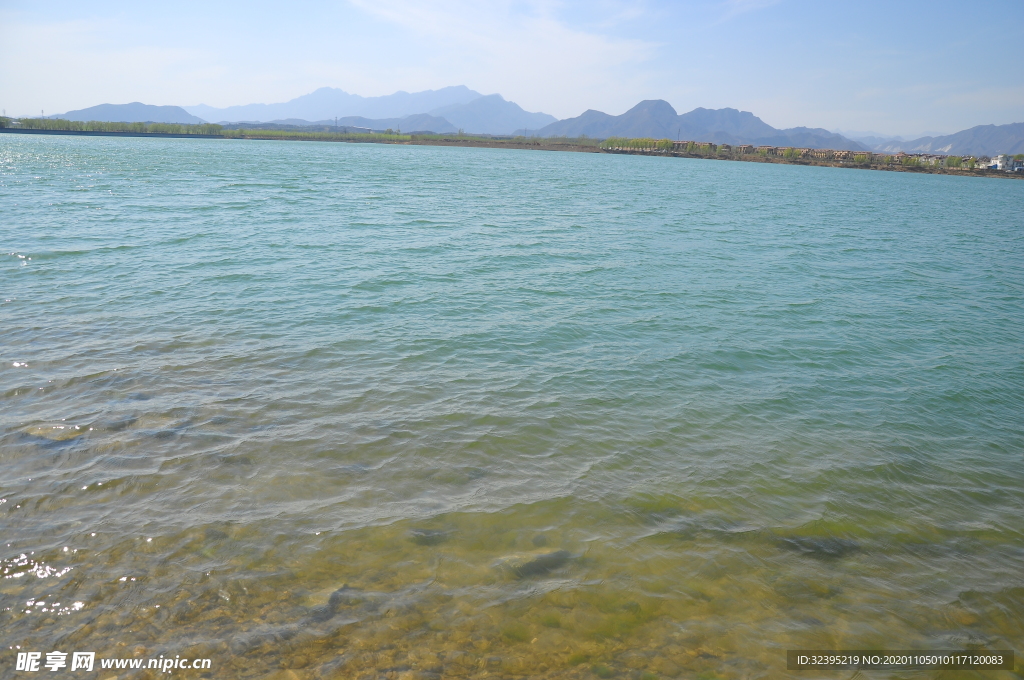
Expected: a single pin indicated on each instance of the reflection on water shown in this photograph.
(334, 411)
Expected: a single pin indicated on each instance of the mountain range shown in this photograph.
(460, 106)
(981, 140)
(657, 119)
(330, 102)
(451, 109)
(420, 122)
(492, 115)
(132, 113)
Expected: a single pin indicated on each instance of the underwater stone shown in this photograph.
(525, 565)
(346, 596)
(544, 563)
(821, 548)
(428, 536)
(665, 667)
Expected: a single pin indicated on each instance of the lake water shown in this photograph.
(546, 415)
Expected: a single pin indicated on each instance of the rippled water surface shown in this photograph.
(544, 414)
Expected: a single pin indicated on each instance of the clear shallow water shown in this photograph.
(757, 407)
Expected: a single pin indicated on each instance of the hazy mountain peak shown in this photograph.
(330, 102)
(492, 114)
(135, 112)
(656, 118)
(981, 140)
(653, 106)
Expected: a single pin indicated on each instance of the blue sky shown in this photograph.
(892, 67)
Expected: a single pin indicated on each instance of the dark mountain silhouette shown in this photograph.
(491, 115)
(135, 112)
(981, 140)
(656, 118)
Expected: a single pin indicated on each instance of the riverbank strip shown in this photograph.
(533, 143)
(530, 143)
(850, 164)
(101, 133)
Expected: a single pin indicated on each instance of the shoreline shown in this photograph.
(546, 144)
(527, 144)
(103, 133)
(850, 165)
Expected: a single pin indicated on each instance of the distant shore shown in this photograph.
(556, 144)
(889, 167)
(101, 133)
(534, 144)
(864, 161)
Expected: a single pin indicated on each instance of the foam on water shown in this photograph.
(350, 411)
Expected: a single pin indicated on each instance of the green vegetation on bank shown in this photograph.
(275, 132)
(638, 145)
(517, 141)
(314, 136)
(803, 156)
(202, 129)
(98, 126)
(291, 133)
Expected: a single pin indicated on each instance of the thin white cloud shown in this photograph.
(734, 8)
(557, 56)
(522, 50)
(81, 66)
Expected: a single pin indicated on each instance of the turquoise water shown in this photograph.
(546, 414)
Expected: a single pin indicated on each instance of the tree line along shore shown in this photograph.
(830, 157)
(932, 163)
(182, 129)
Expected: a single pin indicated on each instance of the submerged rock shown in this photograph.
(524, 566)
(346, 596)
(545, 563)
(58, 432)
(428, 536)
(821, 548)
